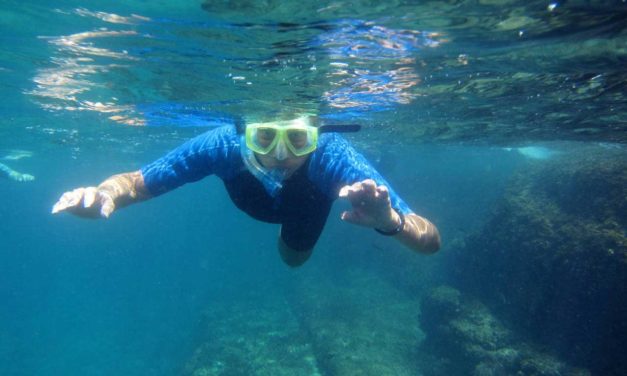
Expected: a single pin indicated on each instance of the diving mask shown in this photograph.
(297, 135)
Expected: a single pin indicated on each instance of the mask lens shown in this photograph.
(261, 139)
(298, 138)
(265, 136)
(302, 141)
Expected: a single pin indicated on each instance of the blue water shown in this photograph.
(455, 98)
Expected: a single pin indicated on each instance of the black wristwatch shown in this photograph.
(397, 229)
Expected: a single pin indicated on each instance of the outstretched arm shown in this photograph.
(115, 192)
(197, 158)
(372, 208)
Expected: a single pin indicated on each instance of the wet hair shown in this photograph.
(240, 125)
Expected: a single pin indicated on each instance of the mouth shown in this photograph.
(282, 166)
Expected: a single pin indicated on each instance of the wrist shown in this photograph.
(396, 225)
(119, 188)
(125, 189)
(111, 189)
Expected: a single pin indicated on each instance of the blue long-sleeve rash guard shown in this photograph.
(332, 165)
(301, 206)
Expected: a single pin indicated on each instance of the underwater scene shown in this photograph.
(502, 123)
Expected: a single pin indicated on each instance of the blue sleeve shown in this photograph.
(213, 152)
(336, 163)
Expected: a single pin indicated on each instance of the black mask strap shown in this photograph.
(339, 128)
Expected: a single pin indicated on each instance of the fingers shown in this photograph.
(108, 206)
(365, 192)
(370, 202)
(85, 202)
(57, 208)
(68, 200)
(89, 196)
(383, 193)
(345, 190)
(350, 191)
(369, 187)
(350, 217)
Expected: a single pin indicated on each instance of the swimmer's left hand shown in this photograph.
(371, 206)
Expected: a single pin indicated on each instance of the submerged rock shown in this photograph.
(465, 338)
(254, 335)
(553, 257)
(358, 324)
(355, 324)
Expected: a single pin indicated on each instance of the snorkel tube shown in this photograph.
(339, 128)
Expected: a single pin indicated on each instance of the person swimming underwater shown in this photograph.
(287, 172)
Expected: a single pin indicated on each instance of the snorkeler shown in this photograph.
(284, 172)
(8, 172)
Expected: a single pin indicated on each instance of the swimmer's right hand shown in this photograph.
(116, 192)
(86, 202)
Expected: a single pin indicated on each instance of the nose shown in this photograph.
(280, 151)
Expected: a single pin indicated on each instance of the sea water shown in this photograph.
(459, 102)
